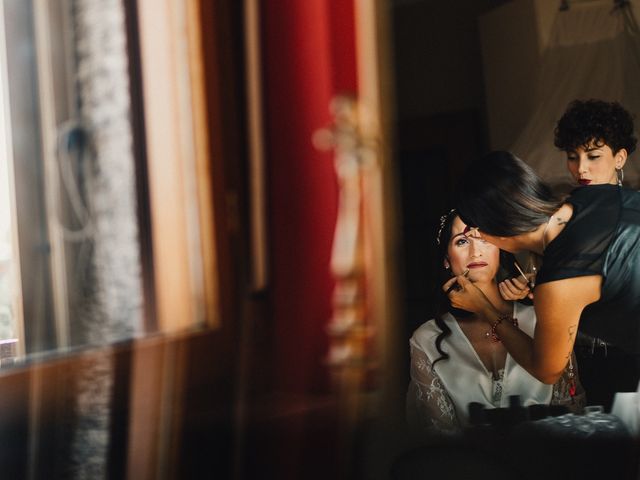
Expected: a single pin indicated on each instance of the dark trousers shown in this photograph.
(605, 370)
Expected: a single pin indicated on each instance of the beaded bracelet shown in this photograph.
(493, 333)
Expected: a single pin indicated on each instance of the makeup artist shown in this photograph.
(590, 274)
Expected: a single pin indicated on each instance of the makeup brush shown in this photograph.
(529, 284)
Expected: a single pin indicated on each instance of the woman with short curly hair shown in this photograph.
(597, 137)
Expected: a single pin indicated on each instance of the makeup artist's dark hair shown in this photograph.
(503, 196)
(606, 123)
(443, 237)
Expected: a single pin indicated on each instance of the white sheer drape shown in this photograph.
(593, 52)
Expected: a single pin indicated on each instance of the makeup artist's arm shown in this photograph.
(470, 298)
(558, 306)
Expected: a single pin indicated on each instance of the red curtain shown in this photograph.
(309, 56)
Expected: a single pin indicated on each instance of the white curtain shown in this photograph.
(593, 52)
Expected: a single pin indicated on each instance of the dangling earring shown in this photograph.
(620, 175)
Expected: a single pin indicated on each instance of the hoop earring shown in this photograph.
(620, 175)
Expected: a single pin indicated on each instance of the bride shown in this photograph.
(456, 359)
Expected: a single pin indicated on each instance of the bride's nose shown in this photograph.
(475, 249)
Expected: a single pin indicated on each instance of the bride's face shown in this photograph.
(471, 252)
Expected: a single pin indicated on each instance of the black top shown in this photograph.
(603, 238)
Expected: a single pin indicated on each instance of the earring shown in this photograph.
(620, 175)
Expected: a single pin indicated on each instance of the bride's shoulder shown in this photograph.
(428, 331)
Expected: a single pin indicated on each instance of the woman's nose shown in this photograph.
(476, 250)
(583, 167)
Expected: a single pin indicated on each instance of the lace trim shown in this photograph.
(497, 388)
(427, 399)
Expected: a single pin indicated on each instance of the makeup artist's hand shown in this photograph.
(467, 296)
(514, 289)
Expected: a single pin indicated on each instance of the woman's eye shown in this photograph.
(572, 159)
(594, 157)
(461, 241)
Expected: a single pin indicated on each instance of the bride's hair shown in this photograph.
(442, 301)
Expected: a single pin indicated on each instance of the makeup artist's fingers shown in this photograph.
(448, 284)
(506, 293)
(512, 289)
(469, 297)
(518, 282)
(463, 280)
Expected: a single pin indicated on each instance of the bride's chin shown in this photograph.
(481, 279)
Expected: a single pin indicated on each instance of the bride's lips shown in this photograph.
(477, 265)
(584, 181)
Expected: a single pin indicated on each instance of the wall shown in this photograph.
(438, 57)
(513, 38)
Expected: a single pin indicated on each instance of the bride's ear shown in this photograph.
(446, 264)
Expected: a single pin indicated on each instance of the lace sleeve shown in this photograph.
(561, 390)
(429, 407)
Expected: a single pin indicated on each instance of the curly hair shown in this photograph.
(586, 121)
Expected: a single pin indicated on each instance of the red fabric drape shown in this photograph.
(309, 56)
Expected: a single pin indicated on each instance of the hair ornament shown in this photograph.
(443, 221)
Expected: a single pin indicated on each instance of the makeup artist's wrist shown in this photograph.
(489, 313)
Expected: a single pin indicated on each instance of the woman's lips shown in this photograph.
(477, 265)
(584, 181)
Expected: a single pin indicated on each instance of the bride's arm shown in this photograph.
(429, 406)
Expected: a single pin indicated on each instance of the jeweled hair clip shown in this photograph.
(443, 221)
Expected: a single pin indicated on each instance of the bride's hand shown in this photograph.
(466, 295)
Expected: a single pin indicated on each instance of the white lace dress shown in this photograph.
(439, 395)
